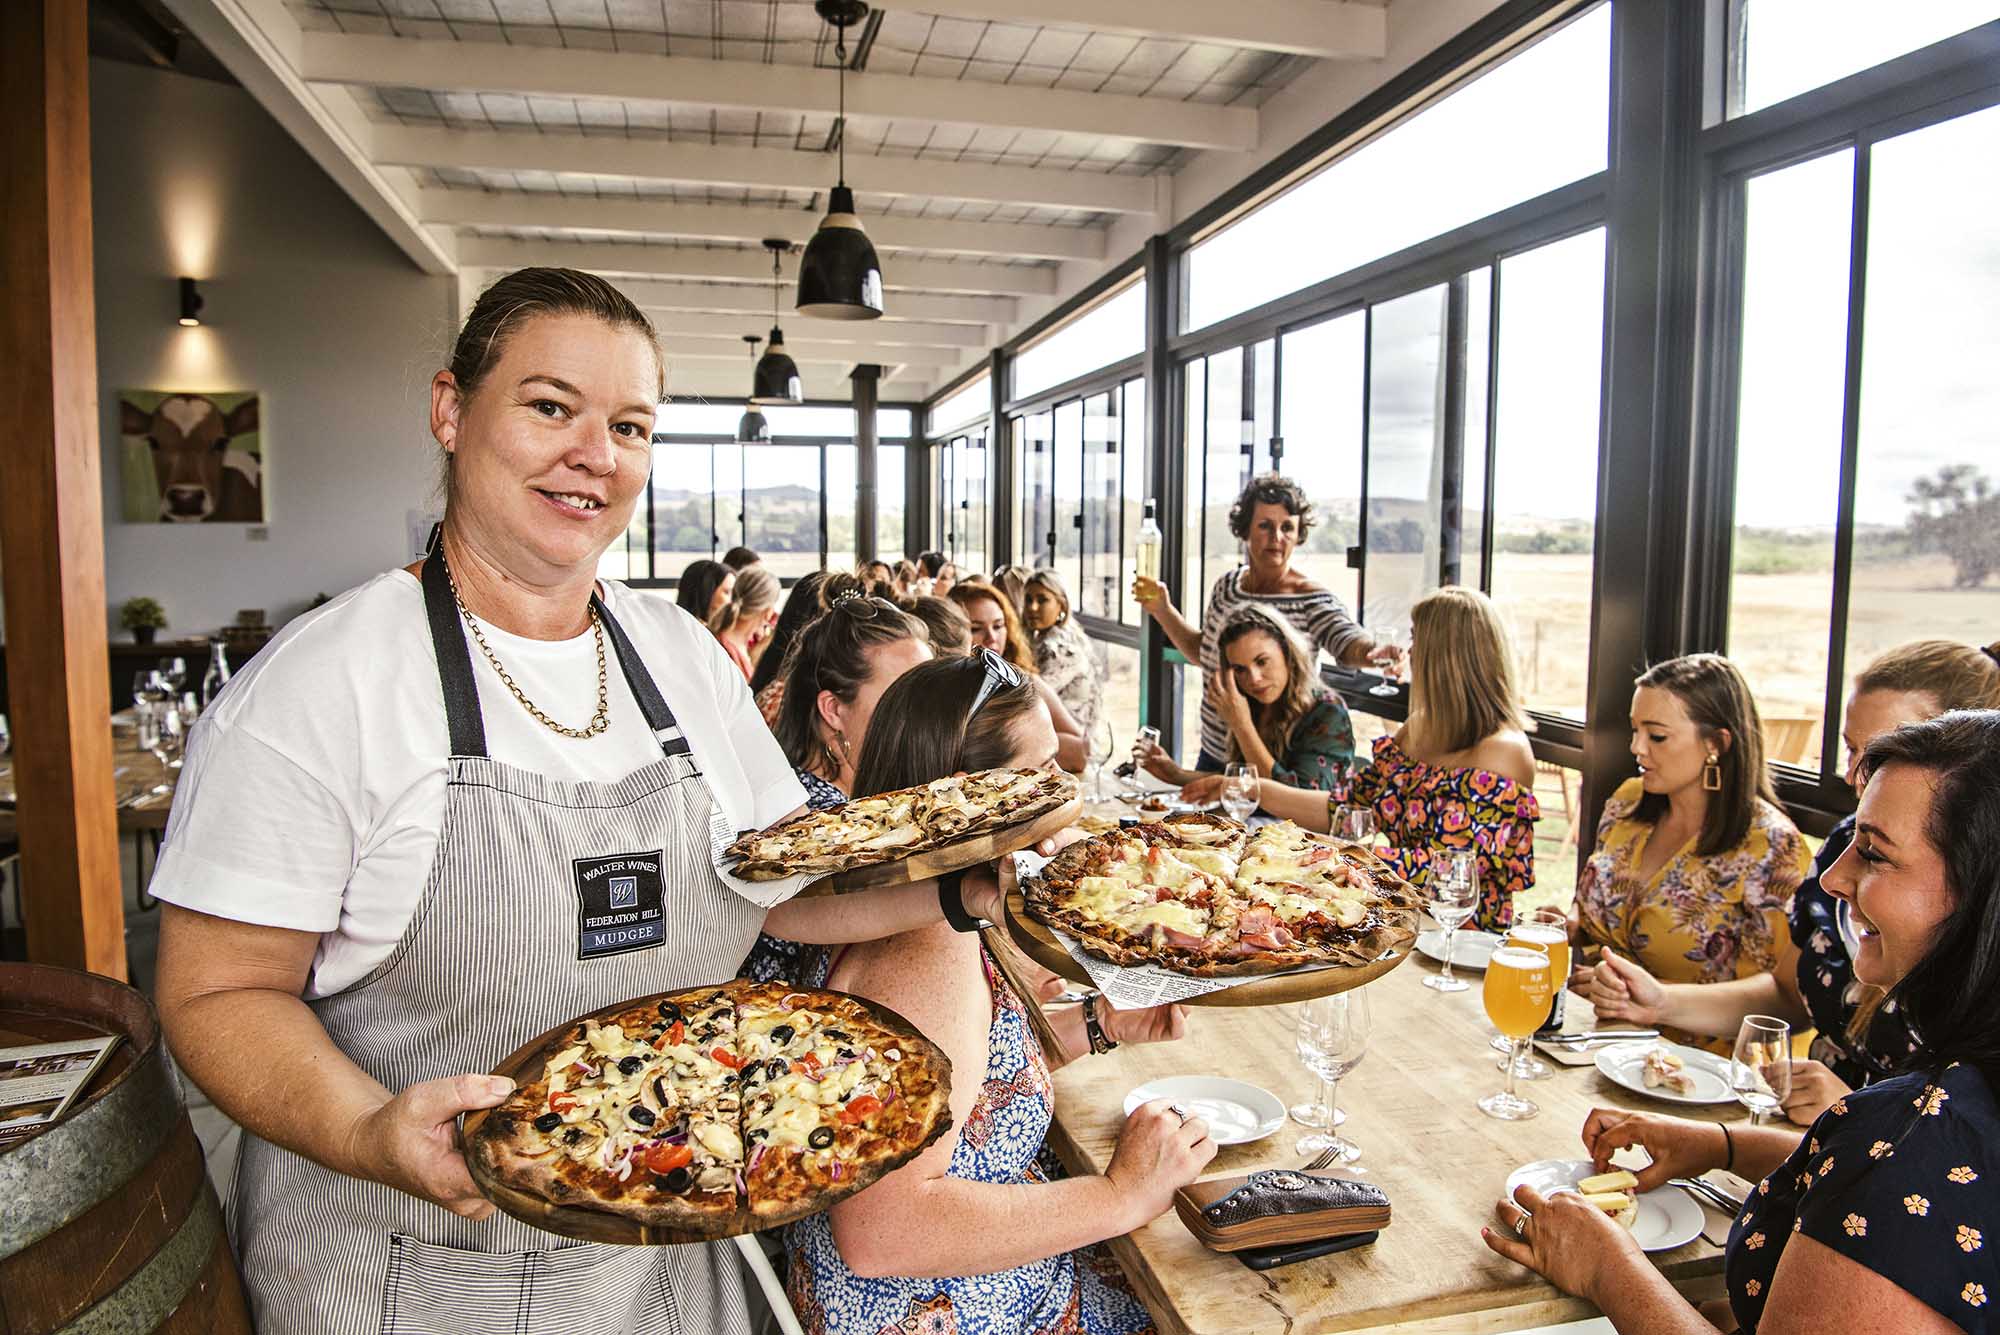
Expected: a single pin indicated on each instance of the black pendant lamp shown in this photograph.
(753, 428)
(777, 376)
(840, 278)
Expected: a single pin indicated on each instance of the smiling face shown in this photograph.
(1043, 609)
(989, 627)
(1274, 536)
(1258, 663)
(1892, 877)
(1869, 714)
(551, 450)
(1670, 749)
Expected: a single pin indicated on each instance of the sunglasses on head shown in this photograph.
(996, 672)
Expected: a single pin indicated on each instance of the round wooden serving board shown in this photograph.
(954, 856)
(1040, 944)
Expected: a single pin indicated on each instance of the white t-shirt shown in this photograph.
(314, 787)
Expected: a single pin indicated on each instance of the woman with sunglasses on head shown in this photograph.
(996, 626)
(1860, 1038)
(1885, 1217)
(972, 1235)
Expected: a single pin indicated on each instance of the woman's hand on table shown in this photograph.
(1678, 1147)
(411, 1142)
(1563, 1238)
(1203, 791)
(1158, 1153)
(1814, 1090)
(1618, 989)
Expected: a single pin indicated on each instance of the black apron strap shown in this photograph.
(659, 717)
(461, 695)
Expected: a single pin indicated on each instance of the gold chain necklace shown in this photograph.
(599, 721)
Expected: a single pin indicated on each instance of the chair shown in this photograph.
(1563, 777)
(1789, 738)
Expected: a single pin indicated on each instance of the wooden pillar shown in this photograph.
(867, 473)
(51, 508)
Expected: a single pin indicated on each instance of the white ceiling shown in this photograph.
(991, 146)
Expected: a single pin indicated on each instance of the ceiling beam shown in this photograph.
(976, 314)
(1318, 28)
(803, 346)
(729, 222)
(713, 380)
(901, 334)
(758, 168)
(632, 76)
(745, 266)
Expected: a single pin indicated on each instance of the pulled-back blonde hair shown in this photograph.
(1462, 686)
(756, 593)
(1954, 675)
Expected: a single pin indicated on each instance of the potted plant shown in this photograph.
(143, 617)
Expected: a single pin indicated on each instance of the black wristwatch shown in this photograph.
(1098, 1042)
(953, 904)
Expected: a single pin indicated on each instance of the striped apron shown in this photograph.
(507, 941)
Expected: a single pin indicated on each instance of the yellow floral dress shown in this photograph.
(1697, 919)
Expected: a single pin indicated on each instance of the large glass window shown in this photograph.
(1066, 485)
(1035, 540)
(962, 499)
(1137, 485)
(1095, 587)
(1321, 417)
(1108, 332)
(782, 507)
(1406, 426)
(962, 406)
(1787, 47)
(889, 502)
(1537, 120)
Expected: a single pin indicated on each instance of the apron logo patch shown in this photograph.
(619, 904)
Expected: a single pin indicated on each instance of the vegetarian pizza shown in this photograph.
(717, 1110)
(888, 827)
(1201, 895)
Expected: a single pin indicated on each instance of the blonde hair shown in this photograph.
(1953, 675)
(1051, 583)
(1274, 722)
(1462, 687)
(755, 594)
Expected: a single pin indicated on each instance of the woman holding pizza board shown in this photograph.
(486, 792)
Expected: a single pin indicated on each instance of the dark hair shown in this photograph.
(1952, 997)
(923, 727)
(525, 294)
(1717, 699)
(950, 632)
(1270, 489)
(831, 654)
(738, 557)
(698, 584)
(801, 606)
(932, 562)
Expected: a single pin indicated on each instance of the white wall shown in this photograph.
(307, 303)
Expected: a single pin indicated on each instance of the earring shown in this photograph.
(1711, 774)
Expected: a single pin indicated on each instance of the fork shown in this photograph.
(1715, 1196)
(1323, 1159)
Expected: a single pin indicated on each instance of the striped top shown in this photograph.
(1318, 615)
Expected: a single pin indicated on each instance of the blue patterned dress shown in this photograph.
(1073, 1293)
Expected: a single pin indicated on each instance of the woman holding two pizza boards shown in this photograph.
(461, 804)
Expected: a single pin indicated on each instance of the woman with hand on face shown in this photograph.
(1860, 1038)
(1282, 718)
(971, 1235)
(1884, 1218)
(1695, 862)
(1063, 655)
(995, 626)
(743, 626)
(1271, 519)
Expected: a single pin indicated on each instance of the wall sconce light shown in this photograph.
(191, 304)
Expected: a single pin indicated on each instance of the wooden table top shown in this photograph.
(1411, 1106)
(135, 774)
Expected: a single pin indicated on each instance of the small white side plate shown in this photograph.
(1236, 1112)
(1667, 1218)
(1625, 1064)
(1471, 950)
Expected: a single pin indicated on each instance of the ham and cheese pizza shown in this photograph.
(1203, 896)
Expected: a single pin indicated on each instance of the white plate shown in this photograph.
(1667, 1218)
(1471, 950)
(1236, 1112)
(1624, 1064)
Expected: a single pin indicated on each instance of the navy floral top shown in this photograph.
(774, 958)
(1826, 981)
(1898, 1177)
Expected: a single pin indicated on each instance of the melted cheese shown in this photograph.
(1170, 913)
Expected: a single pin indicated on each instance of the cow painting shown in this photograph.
(191, 458)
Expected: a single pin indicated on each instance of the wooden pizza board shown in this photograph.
(952, 857)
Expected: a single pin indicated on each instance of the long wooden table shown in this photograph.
(1411, 1106)
(135, 774)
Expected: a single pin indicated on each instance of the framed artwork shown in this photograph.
(191, 458)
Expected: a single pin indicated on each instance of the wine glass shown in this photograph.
(1355, 824)
(1546, 928)
(173, 672)
(1099, 745)
(1332, 1039)
(6, 736)
(1392, 671)
(1239, 790)
(1517, 995)
(168, 736)
(1760, 1069)
(148, 686)
(1454, 890)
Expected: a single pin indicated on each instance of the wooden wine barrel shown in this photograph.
(107, 1218)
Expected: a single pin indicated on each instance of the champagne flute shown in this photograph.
(1332, 1039)
(1517, 997)
(1544, 929)
(1099, 746)
(1760, 1069)
(1454, 890)
(1239, 790)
